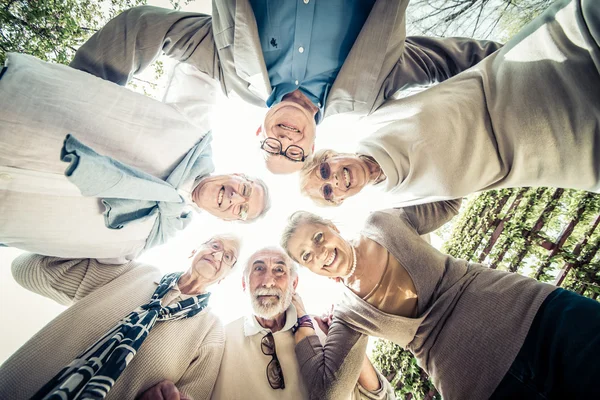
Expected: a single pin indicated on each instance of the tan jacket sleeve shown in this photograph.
(428, 60)
(64, 280)
(199, 379)
(135, 38)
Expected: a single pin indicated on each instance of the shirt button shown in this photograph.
(296, 82)
(301, 49)
(5, 177)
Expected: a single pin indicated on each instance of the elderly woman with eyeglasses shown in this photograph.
(128, 327)
(527, 115)
(478, 332)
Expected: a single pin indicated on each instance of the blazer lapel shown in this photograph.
(377, 49)
(249, 59)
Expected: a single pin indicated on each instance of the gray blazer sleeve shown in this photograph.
(428, 217)
(135, 38)
(331, 371)
(428, 60)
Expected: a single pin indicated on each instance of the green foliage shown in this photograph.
(52, 30)
(401, 369)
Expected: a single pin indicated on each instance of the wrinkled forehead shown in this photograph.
(267, 256)
(256, 201)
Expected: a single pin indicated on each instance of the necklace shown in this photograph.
(353, 265)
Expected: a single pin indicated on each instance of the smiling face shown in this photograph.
(291, 122)
(336, 178)
(321, 249)
(270, 282)
(215, 258)
(230, 197)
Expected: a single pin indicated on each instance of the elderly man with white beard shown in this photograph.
(259, 359)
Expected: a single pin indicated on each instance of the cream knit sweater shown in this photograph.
(187, 352)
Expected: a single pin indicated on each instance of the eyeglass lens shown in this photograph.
(274, 372)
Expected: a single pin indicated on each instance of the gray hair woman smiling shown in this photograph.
(128, 327)
(473, 329)
(497, 125)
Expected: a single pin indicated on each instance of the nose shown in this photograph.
(236, 198)
(269, 280)
(218, 255)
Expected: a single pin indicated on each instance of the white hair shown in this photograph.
(271, 310)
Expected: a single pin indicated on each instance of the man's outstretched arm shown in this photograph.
(135, 38)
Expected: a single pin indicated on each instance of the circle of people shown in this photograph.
(94, 174)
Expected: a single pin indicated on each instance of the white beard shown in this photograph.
(271, 310)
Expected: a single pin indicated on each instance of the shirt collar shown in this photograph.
(252, 327)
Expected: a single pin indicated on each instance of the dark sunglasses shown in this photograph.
(274, 372)
(325, 174)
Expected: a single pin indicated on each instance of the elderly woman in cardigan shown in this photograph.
(91, 169)
(527, 115)
(128, 327)
(478, 332)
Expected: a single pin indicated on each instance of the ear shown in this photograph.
(243, 284)
(313, 148)
(259, 130)
(335, 228)
(193, 253)
(295, 283)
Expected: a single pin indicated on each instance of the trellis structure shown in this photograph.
(549, 234)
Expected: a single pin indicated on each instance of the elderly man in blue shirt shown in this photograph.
(303, 59)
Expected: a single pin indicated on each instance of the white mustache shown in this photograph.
(268, 292)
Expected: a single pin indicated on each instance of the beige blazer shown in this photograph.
(226, 46)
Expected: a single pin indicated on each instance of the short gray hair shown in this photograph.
(293, 266)
(296, 220)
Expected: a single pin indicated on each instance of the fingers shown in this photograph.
(169, 391)
(322, 324)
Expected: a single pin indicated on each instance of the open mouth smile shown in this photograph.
(346, 178)
(330, 259)
(220, 196)
(288, 128)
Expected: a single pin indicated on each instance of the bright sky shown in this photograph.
(235, 149)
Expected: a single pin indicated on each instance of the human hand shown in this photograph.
(324, 321)
(297, 302)
(164, 390)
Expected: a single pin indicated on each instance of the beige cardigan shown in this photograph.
(187, 352)
(528, 115)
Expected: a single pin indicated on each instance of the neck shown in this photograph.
(360, 262)
(300, 98)
(190, 283)
(276, 324)
(373, 167)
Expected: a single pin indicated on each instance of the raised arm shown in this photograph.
(135, 38)
(427, 60)
(64, 280)
(330, 371)
(428, 217)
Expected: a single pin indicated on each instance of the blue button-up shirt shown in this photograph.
(305, 43)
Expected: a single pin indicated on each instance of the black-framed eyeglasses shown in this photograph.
(274, 146)
(274, 372)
